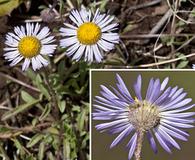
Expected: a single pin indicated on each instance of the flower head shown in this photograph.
(90, 36)
(29, 43)
(161, 114)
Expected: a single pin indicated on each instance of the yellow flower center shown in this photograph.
(88, 33)
(29, 46)
(143, 115)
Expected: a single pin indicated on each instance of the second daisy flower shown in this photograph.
(90, 37)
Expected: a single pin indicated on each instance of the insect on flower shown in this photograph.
(31, 44)
(160, 114)
(90, 37)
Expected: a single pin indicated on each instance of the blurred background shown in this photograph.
(101, 141)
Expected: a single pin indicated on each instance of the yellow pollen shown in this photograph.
(88, 33)
(136, 99)
(29, 46)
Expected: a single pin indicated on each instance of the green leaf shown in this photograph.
(53, 130)
(4, 1)
(193, 13)
(44, 91)
(66, 149)
(182, 64)
(19, 146)
(76, 108)
(30, 158)
(41, 151)
(45, 112)
(81, 120)
(6, 6)
(85, 141)
(129, 28)
(50, 156)
(18, 110)
(61, 7)
(62, 106)
(34, 140)
(56, 142)
(31, 74)
(35, 121)
(103, 5)
(41, 87)
(181, 55)
(27, 97)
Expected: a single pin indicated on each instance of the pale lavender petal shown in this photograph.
(122, 88)
(162, 142)
(164, 83)
(137, 87)
(167, 137)
(121, 136)
(132, 146)
(174, 133)
(152, 141)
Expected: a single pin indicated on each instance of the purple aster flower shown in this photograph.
(160, 114)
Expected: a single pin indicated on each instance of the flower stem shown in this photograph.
(138, 149)
(55, 110)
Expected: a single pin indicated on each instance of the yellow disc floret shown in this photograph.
(29, 46)
(88, 33)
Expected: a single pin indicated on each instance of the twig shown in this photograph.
(33, 20)
(27, 129)
(125, 49)
(19, 82)
(156, 56)
(160, 24)
(158, 63)
(70, 4)
(15, 131)
(175, 13)
(61, 56)
(184, 44)
(192, 2)
(4, 108)
(12, 96)
(146, 36)
(145, 5)
(164, 62)
(173, 30)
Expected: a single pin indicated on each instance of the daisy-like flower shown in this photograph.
(90, 36)
(30, 43)
(160, 114)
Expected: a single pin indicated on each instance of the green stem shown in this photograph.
(55, 110)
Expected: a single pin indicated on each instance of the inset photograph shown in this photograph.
(142, 114)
